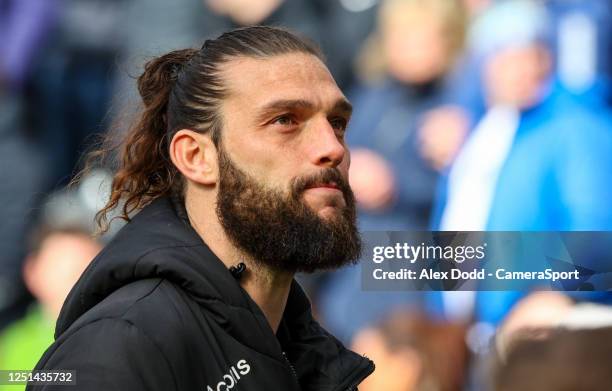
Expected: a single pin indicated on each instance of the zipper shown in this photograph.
(295, 376)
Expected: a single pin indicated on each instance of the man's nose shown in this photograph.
(328, 149)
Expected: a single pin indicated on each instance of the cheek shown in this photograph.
(344, 166)
(277, 176)
(260, 159)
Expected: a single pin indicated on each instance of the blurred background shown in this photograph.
(469, 115)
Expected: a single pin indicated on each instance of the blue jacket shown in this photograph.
(558, 173)
(556, 177)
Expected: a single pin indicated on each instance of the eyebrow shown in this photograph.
(342, 106)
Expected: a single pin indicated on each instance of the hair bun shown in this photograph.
(160, 74)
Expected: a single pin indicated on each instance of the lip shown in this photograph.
(329, 185)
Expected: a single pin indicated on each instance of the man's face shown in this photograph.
(416, 47)
(515, 76)
(283, 195)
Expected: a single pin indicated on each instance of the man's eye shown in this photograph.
(338, 123)
(284, 120)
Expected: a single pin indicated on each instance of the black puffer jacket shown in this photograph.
(157, 310)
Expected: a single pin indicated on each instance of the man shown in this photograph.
(238, 168)
(60, 247)
(538, 160)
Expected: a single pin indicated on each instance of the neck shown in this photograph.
(269, 289)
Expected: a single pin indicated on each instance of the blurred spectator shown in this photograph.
(539, 159)
(564, 360)
(533, 316)
(582, 43)
(541, 312)
(406, 66)
(23, 27)
(60, 249)
(442, 133)
(50, 272)
(413, 353)
(73, 83)
(345, 25)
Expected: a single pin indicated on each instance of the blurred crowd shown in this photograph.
(469, 115)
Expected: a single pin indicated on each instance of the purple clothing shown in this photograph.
(23, 24)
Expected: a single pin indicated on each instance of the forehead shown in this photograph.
(254, 82)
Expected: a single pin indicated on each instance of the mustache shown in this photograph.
(327, 175)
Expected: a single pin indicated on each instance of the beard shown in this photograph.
(279, 231)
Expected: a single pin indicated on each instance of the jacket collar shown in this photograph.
(320, 361)
(159, 243)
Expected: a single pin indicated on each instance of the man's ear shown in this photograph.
(195, 156)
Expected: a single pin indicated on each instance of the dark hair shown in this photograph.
(565, 360)
(182, 89)
(39, 234)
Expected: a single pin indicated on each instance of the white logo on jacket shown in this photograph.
(231, 378)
